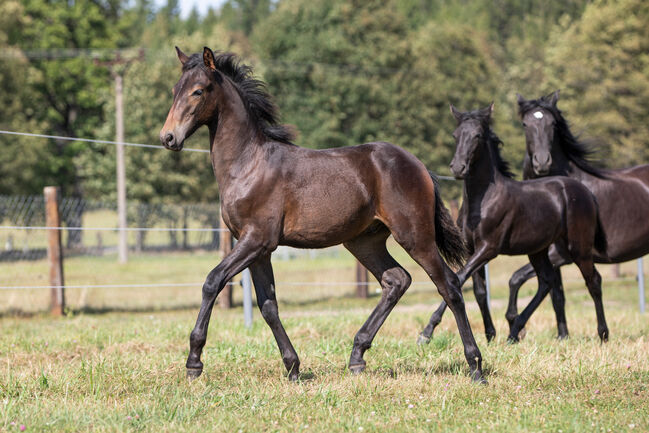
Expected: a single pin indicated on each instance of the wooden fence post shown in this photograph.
(54, 250)
(362, 288)
(225, 246)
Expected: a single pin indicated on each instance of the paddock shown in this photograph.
(120, 364)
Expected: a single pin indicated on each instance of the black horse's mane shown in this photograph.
(493, 141)
(254, 94)
(577, 151)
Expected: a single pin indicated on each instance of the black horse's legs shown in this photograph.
(435, 318)
(449, 286)
(480, 291)
(559, 305)
(262, 276)
(515, 282)
(594, 284)
(372, 253)
(547, 279)
(558, 255)
(241, 256)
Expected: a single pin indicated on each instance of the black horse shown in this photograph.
(275, 193)
(622, 195)
(502, 216)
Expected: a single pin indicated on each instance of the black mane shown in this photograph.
(492, 140)
(261, 109)
(577, 151)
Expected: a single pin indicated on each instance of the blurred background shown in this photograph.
(342, 72)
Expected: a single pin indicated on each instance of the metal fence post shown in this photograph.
(247, 297)
(54, 250)
(225, 245)
(641, 285)
(487, 284)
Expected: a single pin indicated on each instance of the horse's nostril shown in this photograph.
(169, 138)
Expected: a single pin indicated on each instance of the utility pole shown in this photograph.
(121, 169)
(117, 67)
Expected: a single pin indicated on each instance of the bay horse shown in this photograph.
(622, 194)
(276, 193)
(503, 216)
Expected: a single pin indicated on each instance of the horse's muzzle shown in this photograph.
(170, 141)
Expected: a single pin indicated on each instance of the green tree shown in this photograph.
(601, 65)
(452, 64)
(332, 67)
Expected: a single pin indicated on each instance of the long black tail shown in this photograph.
(447, 234)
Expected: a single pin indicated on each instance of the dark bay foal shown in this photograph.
(275, 193)
(503, 216)
(622, 194)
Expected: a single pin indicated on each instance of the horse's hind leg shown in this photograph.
(594, 284)
(371, 251)
(262, 276)
(547, 279)
(449, 287)
(515, 282)
(480, 291)
(435, 318)
(559, 305)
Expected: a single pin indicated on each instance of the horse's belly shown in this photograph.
(324, 227)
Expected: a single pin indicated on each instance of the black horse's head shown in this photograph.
(195, 98)
(539, 120)
(470, 136)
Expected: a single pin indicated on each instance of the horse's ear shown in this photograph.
(520, 99)
(456, 113)
(208, 58)
(554, 98)
(181, 56)
(491, 108)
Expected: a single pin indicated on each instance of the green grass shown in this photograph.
(124, 370)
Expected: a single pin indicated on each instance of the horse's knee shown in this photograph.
(395, 282)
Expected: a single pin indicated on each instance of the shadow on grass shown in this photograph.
(19, 313)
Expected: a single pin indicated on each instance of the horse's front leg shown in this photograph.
(249, 247)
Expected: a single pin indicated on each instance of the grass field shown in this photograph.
(116, 362)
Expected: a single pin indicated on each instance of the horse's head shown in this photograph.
(539, 123)
(195, 99)
(469, 136)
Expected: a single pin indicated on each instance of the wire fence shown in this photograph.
(173, 247)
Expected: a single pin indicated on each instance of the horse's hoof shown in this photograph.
(193, 373)
(603, 336)
(293, 376)
(512, 339)
(562, 336)
(357, 368)
(522, 333)
(491, 337)
(422, 339)
(476, 377)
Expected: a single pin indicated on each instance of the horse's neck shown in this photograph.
(482, 175)
(234, 141)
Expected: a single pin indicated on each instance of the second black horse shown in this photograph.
(502, 216)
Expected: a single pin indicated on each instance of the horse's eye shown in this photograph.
(198, 92)
(524, 125)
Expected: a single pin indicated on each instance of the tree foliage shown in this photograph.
(343, 72)
(601, 64)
